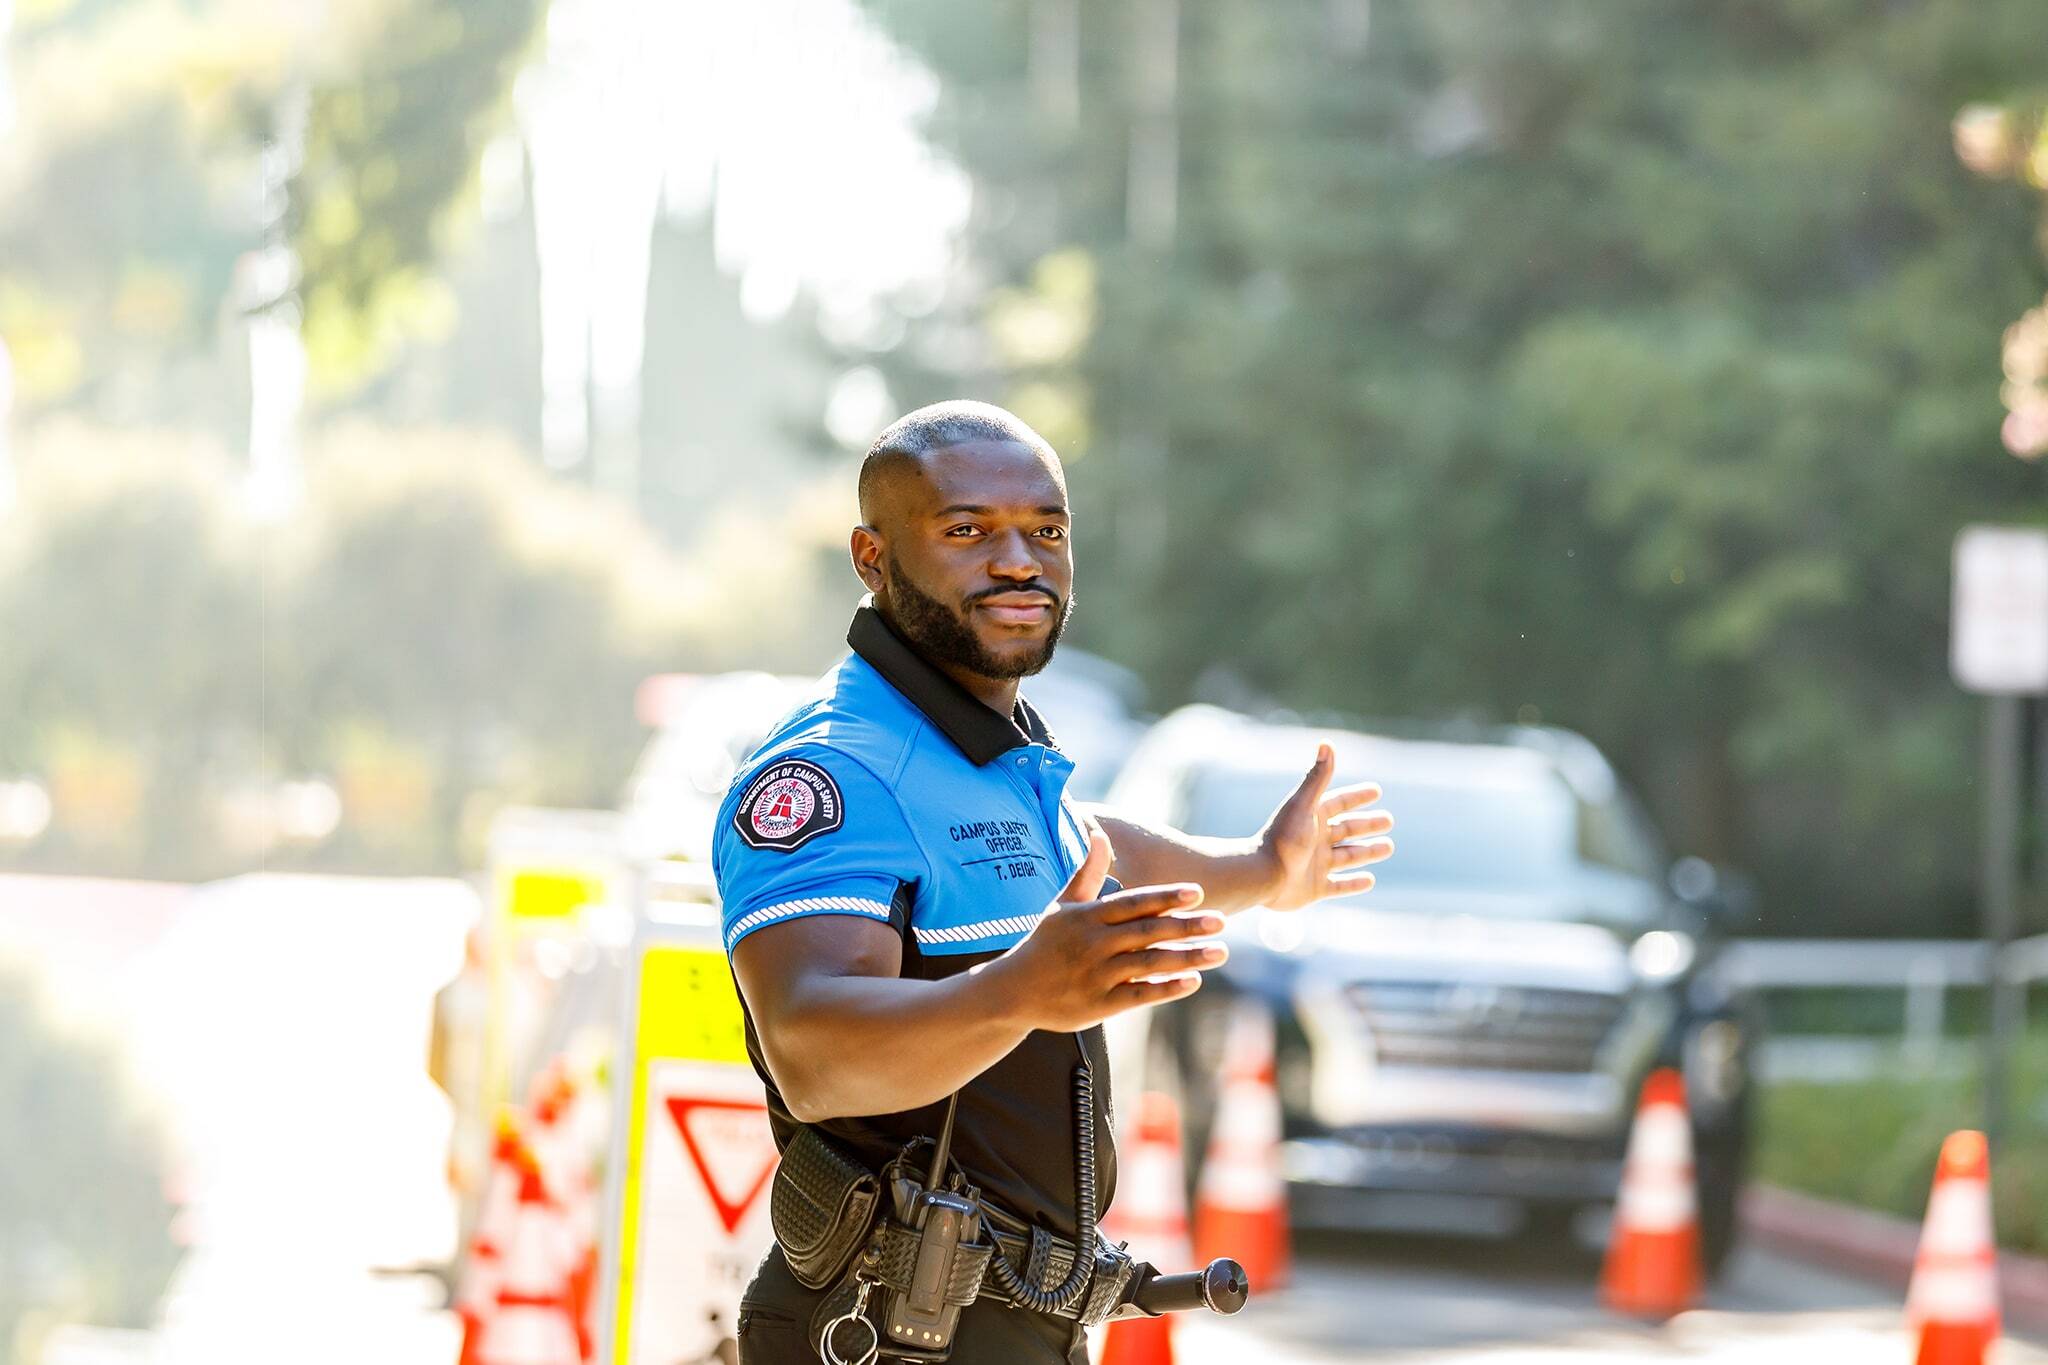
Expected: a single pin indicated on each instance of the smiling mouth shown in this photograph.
(1026, 610)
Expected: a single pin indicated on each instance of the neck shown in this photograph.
(998, 694)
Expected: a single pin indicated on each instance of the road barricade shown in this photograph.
(686, 1198)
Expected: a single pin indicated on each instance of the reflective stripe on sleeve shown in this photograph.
(810, 905)
(990, 928)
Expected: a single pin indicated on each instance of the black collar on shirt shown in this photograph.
(979, 730)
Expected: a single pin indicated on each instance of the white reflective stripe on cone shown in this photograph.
(1958, 1219)
(1247, 1115)
(1953, 1293)
(1663, 1136)
(1657, 1206)
(1240, 1186)
(1150, 1200)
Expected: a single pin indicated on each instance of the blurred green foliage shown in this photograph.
(1849, 1011)
(389, 142)
(87, 1231)
(161, 146)
(1874, 1142)
(440, 630)
(1628, 369)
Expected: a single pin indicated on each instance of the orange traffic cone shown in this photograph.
(1653, 1258)
(476, 1301)
(1953, 1301)
(1150, 1213)
(1241, 1199)
(533, 1319)
(562, 1152)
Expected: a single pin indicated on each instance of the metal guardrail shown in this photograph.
(1924, 969)
(1778, 964)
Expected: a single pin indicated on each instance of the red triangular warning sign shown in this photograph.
(730, 1210)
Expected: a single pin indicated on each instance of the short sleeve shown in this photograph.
(810, 832)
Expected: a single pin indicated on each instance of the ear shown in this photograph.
(867, 556)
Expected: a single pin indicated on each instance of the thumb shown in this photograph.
(1086, 883)
(1315, 782)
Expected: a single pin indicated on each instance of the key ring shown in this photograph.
(854, 1314)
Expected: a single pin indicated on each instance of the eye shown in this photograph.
(1053, 532)
(962, 532)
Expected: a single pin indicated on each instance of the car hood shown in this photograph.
(1451, 936)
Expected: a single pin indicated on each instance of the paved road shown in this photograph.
(1449, 1302)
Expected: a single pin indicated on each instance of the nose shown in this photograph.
(1010, 557)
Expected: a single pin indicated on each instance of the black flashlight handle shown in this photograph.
(1220, 1287)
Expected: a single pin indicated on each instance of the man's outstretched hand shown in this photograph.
(1320, 841)
(1091, 955)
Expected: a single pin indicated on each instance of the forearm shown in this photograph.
(848, 1045)
(1234, 874)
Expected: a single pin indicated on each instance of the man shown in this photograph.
(913, 907)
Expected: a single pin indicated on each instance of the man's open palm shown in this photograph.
(1321, 841)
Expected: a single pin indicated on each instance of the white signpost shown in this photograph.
(1999, 643)
(686, 1204)
(1998, 647)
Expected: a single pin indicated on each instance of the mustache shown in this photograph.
(985, 594)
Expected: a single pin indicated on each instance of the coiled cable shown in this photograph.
(1083, 1269)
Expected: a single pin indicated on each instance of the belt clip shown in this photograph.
(858, 1314)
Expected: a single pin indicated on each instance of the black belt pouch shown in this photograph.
(822, 1207)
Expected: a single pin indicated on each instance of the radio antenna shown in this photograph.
(945, 1146)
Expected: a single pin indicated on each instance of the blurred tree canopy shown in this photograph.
(1629, 370)
(161, 146)
(388, 143)
(440, 630)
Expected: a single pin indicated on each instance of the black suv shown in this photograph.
(1464, 1044)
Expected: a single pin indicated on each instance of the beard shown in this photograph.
(944, 636)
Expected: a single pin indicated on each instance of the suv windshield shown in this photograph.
(1475, 834)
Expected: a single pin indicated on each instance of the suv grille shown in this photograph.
(1465, 1025)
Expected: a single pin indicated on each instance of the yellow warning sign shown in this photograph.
(692, 1221)
(532, 893)
(689, 1009)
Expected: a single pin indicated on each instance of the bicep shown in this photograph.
(779, 965)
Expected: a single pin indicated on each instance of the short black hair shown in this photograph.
(938, 425)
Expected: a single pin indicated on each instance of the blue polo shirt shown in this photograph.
(893, 794)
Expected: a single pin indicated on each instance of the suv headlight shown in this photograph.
(1662, 955)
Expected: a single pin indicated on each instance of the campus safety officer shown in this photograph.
(914, 908)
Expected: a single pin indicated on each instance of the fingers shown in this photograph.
(1346, 827)
(1351, 884)
(1086, 883)
(1349, 798)
(1146, 901)
(1150, 962)
(1133, 994)
(1167, 928)
(1346, 856)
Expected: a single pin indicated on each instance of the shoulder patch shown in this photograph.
(788, 804)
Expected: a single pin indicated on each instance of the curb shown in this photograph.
(1875, 1246)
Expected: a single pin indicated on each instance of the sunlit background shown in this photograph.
(388, 390)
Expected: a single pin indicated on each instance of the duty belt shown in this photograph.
(1043, 1258)
(1040, 1257)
